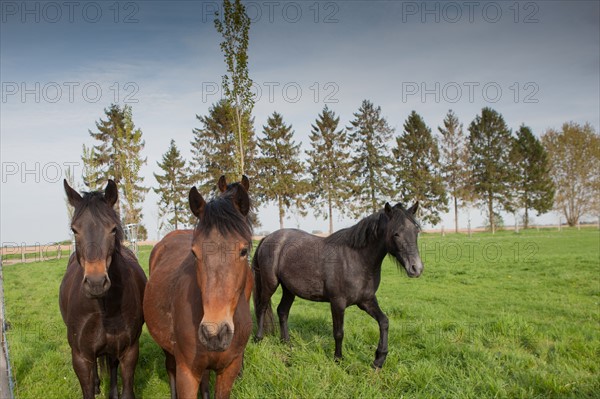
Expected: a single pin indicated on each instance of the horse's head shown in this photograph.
(221, 248)
(401, 235)
(98, 234)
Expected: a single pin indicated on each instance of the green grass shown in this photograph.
(507, 316)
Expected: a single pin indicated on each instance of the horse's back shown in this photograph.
(295, 259)
(166, 259)
(171, 250)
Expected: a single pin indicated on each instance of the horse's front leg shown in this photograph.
(337, 313)
(371, 306)
(187, 382)
(226, 378)
(84, 368)
(128, 362)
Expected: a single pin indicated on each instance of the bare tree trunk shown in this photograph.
(330, 215)
(455, 215)
(281, 213)
(239, 123)
(526, 218)
(491, 211)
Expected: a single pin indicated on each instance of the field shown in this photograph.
(507, 316)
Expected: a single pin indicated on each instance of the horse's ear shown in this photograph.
(111, 194)
(222, 184)
(245, 182)
(413, 209)
(242, 202)
(197, 203)
(72, 196)
(387, 208)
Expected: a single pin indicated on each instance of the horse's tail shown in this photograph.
(256, 294)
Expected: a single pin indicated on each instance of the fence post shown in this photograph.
(59, 252)
(22, 253)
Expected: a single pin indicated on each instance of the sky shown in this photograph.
(63, 63)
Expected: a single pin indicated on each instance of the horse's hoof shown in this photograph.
(257, 339)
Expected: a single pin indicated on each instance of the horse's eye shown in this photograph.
(396, 234)
(74, 231)
(113, 231)
(244, 252)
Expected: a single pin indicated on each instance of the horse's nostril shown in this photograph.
(106, 283)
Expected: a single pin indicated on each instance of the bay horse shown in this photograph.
(343, 269)
(101, 294)
(197, 302)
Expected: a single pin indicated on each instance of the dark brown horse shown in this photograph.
(343, 269)
(197, 299)
(101, 294)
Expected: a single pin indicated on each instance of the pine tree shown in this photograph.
(370, 169)
(237, 86)
(328, 163)
(574, 155)
(418, 169)
(280, 170)
(117, 156)
(454, 162)
(130, 158)
(103, 157)
(214, 148)
(173, 187)
(493, 176)
(534, 187)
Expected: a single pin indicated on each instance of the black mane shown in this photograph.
(221, 213)
(359, 235)
(368, 229)
(96, 204)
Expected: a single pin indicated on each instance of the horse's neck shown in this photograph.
(373, 255)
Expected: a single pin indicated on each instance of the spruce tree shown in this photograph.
(370, 169)
(418, 169)
(454, 162)
(280, 170)
(131, 161)
(328, 163)
(534, 187)
(493, 175)
(118, 156)
(173, 188)
(214, 148)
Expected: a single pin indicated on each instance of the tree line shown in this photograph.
(352, 170)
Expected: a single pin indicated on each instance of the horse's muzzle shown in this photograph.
(216, 337)
(95, 286)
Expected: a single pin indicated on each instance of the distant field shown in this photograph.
(504, 316)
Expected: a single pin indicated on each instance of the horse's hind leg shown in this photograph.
(266, 292)
(96, 379)
(283, 311)
(205, 385)
(373, 309)
(113, 365)
(171, 370)
(128, 362)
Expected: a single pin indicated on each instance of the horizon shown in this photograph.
(536, 63)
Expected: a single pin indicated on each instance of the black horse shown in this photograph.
(343, 269)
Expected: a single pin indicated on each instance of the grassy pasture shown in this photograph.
(510, 315)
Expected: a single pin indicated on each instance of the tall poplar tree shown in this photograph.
(280, 176)
(173, 187)
(328, 163)
(493, 174)
(370, 169)
(418, 169)
(237, 85)
(454, 162)
(533, 185)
